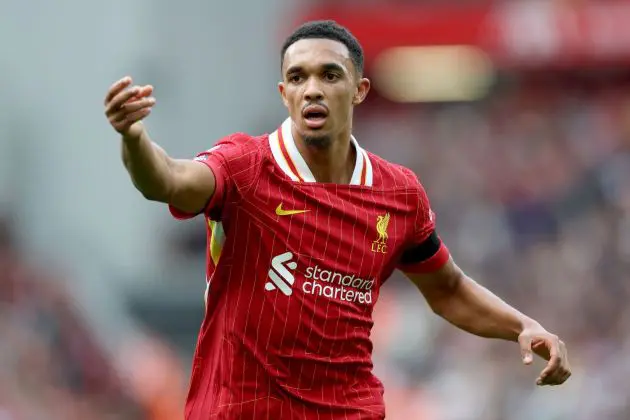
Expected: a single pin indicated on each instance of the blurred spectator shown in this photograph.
(50, 366)
(532, 195)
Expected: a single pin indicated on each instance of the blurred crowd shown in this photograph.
(532, 194)
(52, 366)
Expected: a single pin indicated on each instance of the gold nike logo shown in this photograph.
(281, 212)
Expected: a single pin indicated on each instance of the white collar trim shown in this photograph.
(294, 166)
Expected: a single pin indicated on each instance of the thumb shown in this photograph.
(525, 343)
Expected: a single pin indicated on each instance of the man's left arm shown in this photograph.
(471, 307)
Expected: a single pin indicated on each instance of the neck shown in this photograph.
(333, 163)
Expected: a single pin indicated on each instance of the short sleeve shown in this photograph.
(426, 252)
(232, 160)
(424, 218)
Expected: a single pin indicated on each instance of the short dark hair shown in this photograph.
(327, 29)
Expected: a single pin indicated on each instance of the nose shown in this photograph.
(313, 91)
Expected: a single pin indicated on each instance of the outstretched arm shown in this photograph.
(184, 184)
(466, 304)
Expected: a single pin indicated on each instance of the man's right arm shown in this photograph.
(184, 184)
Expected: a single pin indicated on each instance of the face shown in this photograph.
(320, 88)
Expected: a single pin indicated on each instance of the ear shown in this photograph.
(361, 93)
(283, 93)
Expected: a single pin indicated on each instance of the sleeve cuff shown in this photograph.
(213, 202)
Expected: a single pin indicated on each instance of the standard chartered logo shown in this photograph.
(333, 285)
(279, 274)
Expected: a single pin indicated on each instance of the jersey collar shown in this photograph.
(289, 159)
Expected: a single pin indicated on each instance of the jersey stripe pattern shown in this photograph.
(294, 270)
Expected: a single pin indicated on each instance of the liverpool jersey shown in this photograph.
(294, 271)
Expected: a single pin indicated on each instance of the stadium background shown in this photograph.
(516, 116)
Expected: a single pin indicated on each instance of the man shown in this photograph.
(304, 226)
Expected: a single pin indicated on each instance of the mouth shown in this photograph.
(315, 116)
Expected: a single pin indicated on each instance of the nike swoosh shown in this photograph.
(281, 212)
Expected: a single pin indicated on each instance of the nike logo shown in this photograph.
(281, 212)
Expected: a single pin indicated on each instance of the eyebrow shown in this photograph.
(333, 67)
(325, 67)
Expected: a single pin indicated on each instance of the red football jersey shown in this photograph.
(294, 270)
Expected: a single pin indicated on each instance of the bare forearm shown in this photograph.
(148, 166)
(471, 307)
(184, 184)
(475, 309)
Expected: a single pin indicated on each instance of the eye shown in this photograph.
(295, 78)
(331, 77)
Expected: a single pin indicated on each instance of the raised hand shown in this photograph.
(126, 106)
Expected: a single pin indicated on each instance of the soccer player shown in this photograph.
(304, 226)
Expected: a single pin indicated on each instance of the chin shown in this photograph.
(317, 138)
